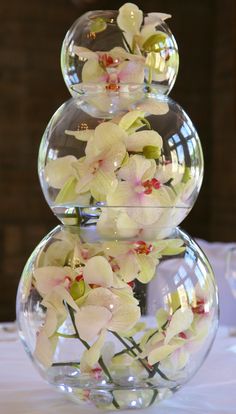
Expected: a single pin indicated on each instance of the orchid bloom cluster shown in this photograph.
(148, 53)
(124, 166)
(94, 285)
(88, 294)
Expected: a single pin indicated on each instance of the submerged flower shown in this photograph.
(142, 38)
(104, 307)
(139, 189)
(113, 67)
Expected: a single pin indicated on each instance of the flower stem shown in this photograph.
(154, 368)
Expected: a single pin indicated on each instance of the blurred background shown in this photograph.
(32, 88)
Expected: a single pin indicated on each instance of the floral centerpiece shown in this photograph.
(117, 306)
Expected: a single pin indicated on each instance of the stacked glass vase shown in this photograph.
(117, 306)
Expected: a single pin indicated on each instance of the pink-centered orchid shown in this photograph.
(139, 259)
(113, 67)
(139, 188)
(104, 307)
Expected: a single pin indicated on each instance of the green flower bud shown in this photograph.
(151, 152)
(77, 289)
(98, 25)
(155, 43)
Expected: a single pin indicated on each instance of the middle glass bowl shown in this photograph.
(145, 154)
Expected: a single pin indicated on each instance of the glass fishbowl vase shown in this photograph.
(117, 323)
(121, 149)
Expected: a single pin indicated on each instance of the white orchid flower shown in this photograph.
(139, 189)
(104, 307)
(143, 38)
(56, 314)
(113, 67)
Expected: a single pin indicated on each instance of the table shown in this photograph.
(211, 391)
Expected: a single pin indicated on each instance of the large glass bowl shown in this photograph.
(119, 323)
(143, 152)
(119, 47)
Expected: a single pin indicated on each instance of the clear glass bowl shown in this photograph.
(146, 154)
(117, 323)
(120, 47)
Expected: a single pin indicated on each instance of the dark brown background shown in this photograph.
(31, 89)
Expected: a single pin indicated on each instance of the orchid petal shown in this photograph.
(161, 352)
(120, 322)
(98, 271)
(128, 267)
(137, 168)
(103, 297)
(44, 349)
(126, 227)
(48, 277)
(156, 18)
(68, 192)
(91, 356)
(131, 72)
(147, 268)
(130, 18)
(50, 324)
(83, 135)
(55, 254)
(85, 53)
(162, 317)
(102, 184)
(91, 320)
(173, 247)
(123, 196)
(122, 54)
(108, 134)
(181, 320)
(137, 141)
(140, 326)
(154, 107)
(58, 171)
(132, 119)
(92, 71)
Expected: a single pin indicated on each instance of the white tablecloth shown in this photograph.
(211, 391)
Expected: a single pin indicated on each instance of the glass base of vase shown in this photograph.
(120, 398)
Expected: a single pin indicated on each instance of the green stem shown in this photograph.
(66, 364)
(155, 394)
(126, 43)
(131, 351)
(155, 368)
(124, 351)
